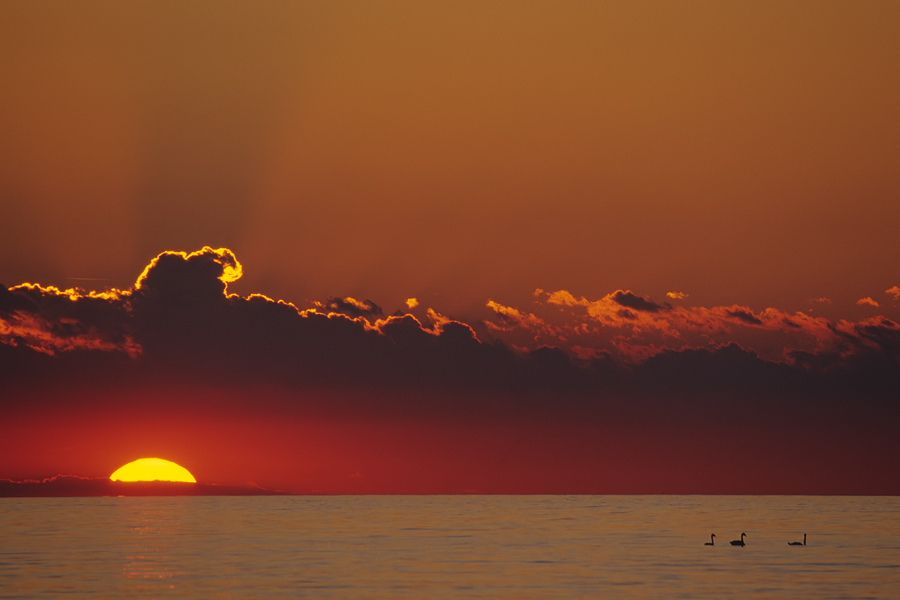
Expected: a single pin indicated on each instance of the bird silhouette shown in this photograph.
(739, 542)
(712, 540)
(803, 543)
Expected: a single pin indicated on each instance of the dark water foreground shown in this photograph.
(513, 547)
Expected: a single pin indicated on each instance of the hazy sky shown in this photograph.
(625, 227)
(459, 152)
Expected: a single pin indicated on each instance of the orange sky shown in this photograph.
(742, 153)
(694, 198)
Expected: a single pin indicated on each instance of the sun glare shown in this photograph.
(152, 469)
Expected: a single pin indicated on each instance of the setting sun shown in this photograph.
(152, 469)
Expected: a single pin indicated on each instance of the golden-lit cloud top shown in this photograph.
(231, 269)
(180, 305)
(634, 327)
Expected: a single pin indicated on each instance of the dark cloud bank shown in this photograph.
(178, 327)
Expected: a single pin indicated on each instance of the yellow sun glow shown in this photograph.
(152, 469)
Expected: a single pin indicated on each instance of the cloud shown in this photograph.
(867, 300)
(50, 320)
(582, 380)
(353, 307)
(510, 318)
(894, 291)
(590, 327)
(637, 303)
(12, 302)
(745, 315)
(676, 295)
(562, 298)
(881, 334)
(411, 303)
(180, 318)
(621, 309)
(181, 277)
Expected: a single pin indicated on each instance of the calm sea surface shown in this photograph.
(449, 547)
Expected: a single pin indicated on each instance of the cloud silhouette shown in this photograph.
(11, 302)
(179, 320)
(630, 300)
(580, 379)
(744, 315)
(181, 278)
(354, 308)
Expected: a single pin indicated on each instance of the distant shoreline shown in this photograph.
(69, 486)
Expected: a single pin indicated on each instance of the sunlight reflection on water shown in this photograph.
(450, 547)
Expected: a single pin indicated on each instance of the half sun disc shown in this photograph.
(152, 469)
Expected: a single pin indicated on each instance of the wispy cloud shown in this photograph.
(867, 301)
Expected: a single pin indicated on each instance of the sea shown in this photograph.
(431, 547)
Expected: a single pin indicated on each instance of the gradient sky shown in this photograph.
(656, 190)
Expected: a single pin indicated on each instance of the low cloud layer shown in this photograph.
(179, 312)
(631, 328)
(567, 369)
